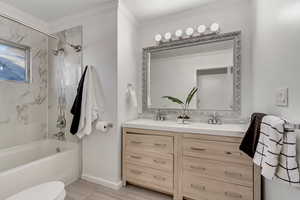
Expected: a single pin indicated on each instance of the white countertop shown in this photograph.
(233, 130)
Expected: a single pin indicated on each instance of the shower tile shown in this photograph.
(73, 65)
(23, 106)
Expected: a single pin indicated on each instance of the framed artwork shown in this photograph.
(14, 62)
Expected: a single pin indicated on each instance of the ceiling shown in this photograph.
(146, 9)
(51, 10)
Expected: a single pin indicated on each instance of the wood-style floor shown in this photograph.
(83, 190)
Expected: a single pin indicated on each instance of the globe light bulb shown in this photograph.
(215, 27)
(179, 33)
(189, 31)
(158, 37)
(201, 29)
(168, 36)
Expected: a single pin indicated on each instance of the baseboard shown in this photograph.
(101, 181)
(71, 181)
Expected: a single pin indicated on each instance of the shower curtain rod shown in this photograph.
(24, 24)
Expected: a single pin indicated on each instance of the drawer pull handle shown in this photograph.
(228, 153)
(136, 157)
(160, 145)
(233, 174)
(198, 187)
(160, 178)
(233, 195)
(136, 172)
(197, 149)
(159, 161)
(136, 142)
(198, 167)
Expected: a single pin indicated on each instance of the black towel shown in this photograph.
(250, 140)
(76, 108)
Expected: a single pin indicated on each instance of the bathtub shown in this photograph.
(27, 165)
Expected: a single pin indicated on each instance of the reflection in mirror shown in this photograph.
(216, 86)
(174, 72)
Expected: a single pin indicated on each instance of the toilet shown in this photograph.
(46, 191)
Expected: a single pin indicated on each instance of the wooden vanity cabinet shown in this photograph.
(190, 166)
(148, 159)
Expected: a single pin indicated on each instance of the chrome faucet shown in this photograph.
(160, 116)
(60, 136)
(214, 119)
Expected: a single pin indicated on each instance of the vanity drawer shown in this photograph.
(215, 150)
(149, 143)
(223, 171)
(164, 163)
(150, 178)
(206, 189)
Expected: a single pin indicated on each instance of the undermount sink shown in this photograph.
(234, 130)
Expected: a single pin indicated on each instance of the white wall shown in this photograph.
(127, 63)
(232, 15)
(127, 67)
(276, 63)
(101, 152)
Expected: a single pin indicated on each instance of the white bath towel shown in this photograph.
(276, 152)
(132, 95)
(92, 106)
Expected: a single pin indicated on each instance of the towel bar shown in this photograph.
(291, 127)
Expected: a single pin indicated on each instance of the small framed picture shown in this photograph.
(14, 62)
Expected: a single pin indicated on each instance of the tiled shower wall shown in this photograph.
(23, 106)
(73, 62)
(27, 112)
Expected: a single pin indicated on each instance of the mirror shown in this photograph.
(216, 86)
(210, 63)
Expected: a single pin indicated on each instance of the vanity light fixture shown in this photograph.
(201, 29)
(189, 31)
(168, 36)
(215, 27)
(158, 37)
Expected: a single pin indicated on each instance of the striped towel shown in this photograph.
(276, 152)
